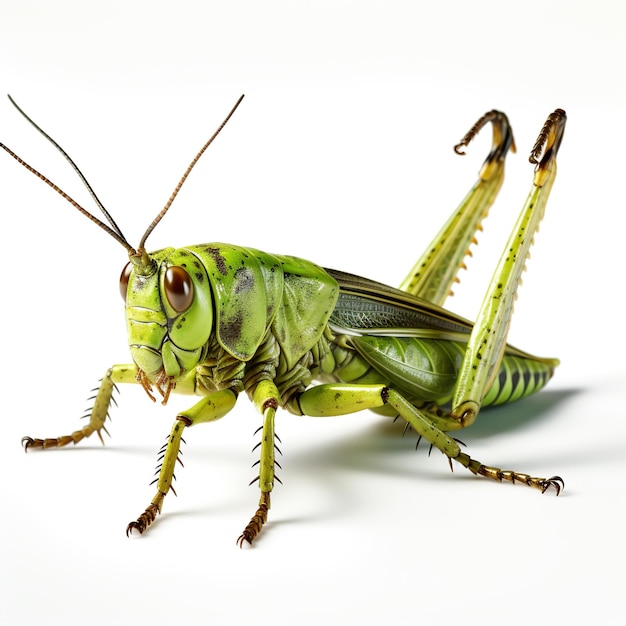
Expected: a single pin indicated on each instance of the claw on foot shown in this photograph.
(257, 521)
(58, 442)
(495, 473)
(144, 520)
(554, 481)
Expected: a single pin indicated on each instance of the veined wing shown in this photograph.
(367, 307)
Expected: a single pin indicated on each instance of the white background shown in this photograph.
(342, 153)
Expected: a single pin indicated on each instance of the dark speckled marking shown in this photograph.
(244, 280)
(230, 331)
(220, 261)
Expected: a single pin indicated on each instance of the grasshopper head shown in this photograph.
(169, 312)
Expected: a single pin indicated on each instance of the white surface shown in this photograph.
(342, 153)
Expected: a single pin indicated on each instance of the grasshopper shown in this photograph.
(217, 320)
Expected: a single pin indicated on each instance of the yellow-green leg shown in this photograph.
(487, 342)
(342, 398)
(209, 409)
(435, 272)
(424, 425)
(98, 413)
(266, 400)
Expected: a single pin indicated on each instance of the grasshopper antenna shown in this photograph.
(168, 204)
(75, 167)
(138, 256)
(115, 234)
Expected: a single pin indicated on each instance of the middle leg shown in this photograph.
(342, 398)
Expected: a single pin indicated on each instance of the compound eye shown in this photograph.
(178, 288)
(124, 278)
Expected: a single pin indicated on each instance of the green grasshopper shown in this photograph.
(216, 320)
